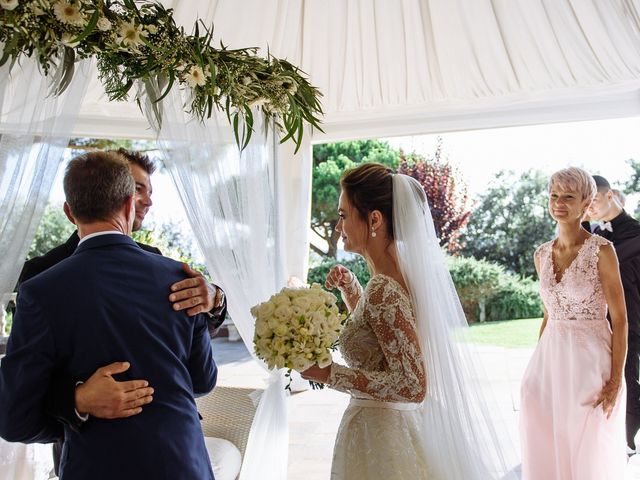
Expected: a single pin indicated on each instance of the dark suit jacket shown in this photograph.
(39, 264)
(626, 240)
(108, 303)
(60, 397)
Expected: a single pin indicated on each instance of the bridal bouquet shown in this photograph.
(297, 327)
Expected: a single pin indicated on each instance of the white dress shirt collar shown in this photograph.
(97, 234)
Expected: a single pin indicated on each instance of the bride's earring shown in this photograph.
(373, 233)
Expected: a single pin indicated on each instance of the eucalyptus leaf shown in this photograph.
(67, 68)
(93, 21)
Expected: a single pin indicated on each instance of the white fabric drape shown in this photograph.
(401, 67)
(464, 437)
(294, 173)
(34, 131)
(232, 203)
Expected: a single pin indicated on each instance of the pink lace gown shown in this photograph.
(563, 436)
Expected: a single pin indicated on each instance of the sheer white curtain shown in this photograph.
(293, 174)
(232, 201)
(35, 128)
(34, 131)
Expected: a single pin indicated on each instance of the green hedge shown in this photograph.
(513, 298)
(503, 295)
(479, 283)
(357, 265)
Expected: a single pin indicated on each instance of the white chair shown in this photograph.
(227, 414)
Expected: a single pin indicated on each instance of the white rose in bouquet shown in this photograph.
(297, 328)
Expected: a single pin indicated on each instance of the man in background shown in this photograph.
(623, 231)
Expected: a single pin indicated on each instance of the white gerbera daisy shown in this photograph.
(68, 13)
(8, 4)
(195, 77)
(104, 24)
(131, 35)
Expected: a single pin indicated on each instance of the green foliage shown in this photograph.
(172, 242)
(84, 143)
(139, 43)
(78, 146)
(53, 230)
(357, 265)
(510, 221)
(633, 184)
(521, 333)
(473, 278)
(329, 162)
(514, 297)
(9, 317)
(504, 295)
(488, 292)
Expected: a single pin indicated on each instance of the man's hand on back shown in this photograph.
(102, 396)
(194, 294)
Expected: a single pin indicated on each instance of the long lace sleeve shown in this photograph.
(400, 375)
(351, 294)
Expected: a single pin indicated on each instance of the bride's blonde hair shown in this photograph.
(574, 179)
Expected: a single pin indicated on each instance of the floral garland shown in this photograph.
(142, 43)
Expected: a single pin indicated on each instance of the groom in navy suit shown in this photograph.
(105, 303)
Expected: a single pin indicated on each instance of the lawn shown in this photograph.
(507, 333)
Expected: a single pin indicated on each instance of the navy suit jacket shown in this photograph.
(108, 302)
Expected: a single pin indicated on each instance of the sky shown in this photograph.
(599, 146)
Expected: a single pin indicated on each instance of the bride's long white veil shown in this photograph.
(462, 440)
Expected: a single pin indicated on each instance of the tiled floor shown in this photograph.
(314, 416)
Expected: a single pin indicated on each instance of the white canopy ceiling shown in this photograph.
(399, 67)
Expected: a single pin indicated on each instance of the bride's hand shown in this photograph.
(339, 277)
(607, 397)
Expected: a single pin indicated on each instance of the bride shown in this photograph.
(415, 411)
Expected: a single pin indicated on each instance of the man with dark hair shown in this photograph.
(623, 231)
(100, 395)
(107, 303)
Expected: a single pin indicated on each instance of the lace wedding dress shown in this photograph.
(381, 435)
(25, 462)
(563, 436)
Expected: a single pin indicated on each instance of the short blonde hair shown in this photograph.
(574, 179)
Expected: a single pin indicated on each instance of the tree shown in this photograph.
(510, 221)
(53, 230)
(329, 162)
(446, 193)
(78, 146)
(172, 241)
(633, 184)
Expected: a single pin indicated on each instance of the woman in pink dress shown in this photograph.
(573, 400)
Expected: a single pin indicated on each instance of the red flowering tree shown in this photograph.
(446, 192)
